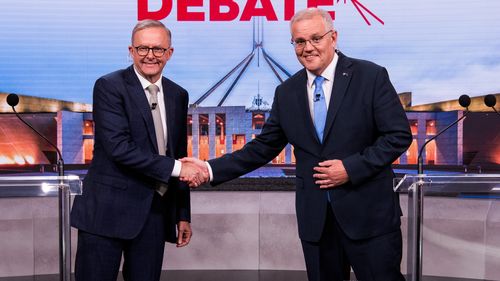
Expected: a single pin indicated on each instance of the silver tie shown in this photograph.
(160, 135)
(155, 110)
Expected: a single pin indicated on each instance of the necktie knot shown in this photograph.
(153, 90)
(318, 82)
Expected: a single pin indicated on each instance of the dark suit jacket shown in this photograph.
(119, 187)
(366, 128)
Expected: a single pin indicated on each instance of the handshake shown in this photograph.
(194, 172)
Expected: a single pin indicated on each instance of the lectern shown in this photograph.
(44, 186)
(421, 185)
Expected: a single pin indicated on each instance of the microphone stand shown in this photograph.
(64, 211)
(64, 225)
(418, 203)
(420, 158)
(494, 109)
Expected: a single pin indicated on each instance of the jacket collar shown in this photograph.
(343, 76)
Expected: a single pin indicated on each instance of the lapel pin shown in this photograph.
(345, 74)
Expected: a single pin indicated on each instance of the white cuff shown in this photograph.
(176, 172)
(210, 171)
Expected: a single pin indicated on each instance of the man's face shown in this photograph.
(315, 56)
(150, 66)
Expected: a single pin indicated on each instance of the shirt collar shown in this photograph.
(327, 73)
(145, 83)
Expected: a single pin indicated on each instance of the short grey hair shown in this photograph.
(309, 13)
(144, 24)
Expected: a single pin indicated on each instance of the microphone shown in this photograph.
(491, 101)
(13, 100)
(464, 101)
(317, 97)
(153, 105)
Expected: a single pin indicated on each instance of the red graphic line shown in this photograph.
(356, 3)
(359, 11)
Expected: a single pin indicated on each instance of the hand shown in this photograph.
(194, 171)
(184, 233)
(330, 173)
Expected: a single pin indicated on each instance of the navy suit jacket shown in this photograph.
(120, 183)
(366, 128)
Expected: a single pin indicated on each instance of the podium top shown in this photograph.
(38, 186)
(452, 185)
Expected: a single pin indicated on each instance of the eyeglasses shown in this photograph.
(144, 51)
(316, 40)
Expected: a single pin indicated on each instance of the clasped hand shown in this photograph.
(330, 173)
(194, 172)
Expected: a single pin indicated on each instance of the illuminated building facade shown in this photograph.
(214, 131)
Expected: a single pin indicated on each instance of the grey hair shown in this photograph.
(309, 13)
(144, 24)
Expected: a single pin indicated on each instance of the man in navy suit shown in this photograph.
(347, 212)
(132, 198)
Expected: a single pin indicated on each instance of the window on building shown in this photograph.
(88, 141)
(258, 119)
(203, 142)
(412, 153)
(190, 146)
(203, 121)
(189, 135)
(430, 127)
(414, 127)
(430, 153)
(238, 141)
(220, 134)
(220, 127)
(88, 127)
(88, 150)
(189, 125)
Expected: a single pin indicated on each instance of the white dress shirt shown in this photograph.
(329, 75)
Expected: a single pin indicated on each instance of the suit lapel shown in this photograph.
(138, 96)
(303, 103)
(343, 75)
(169, 99)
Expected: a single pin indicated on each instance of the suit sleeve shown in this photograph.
(256, 153)
(392, 130)
(113, 134)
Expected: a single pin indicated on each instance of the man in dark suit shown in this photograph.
(132, 198)
(347, 126)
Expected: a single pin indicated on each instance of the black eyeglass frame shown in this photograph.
(157, 51)
(316, 40)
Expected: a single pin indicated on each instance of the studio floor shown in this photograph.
(225, 275)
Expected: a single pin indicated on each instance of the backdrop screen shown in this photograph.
(437, 50)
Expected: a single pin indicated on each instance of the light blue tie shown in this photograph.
(319, 107)
(320, 113)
